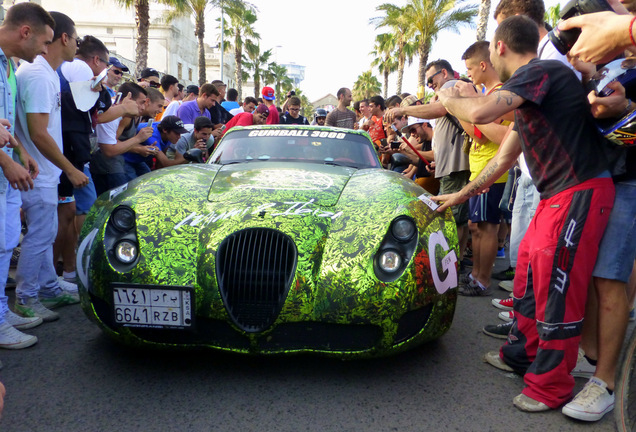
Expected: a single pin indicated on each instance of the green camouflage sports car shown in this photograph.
(288, 240)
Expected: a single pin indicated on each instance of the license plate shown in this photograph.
(153, 307)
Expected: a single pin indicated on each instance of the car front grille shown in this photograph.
(255, 268)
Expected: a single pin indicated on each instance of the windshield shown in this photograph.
(303, 145)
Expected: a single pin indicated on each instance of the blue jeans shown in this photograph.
(134, 170)
(618, 248)
(526, 202)
(36, 272)
(10, 202)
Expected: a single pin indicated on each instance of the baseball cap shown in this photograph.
(115, 62)
(173, 123)
(192, 89)
(268, 93)
(262, 109)
(411, 122)
(408, 101)
(148, 72)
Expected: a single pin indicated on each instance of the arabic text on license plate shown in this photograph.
(153, 307)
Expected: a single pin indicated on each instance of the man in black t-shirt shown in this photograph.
(292, 116)
(556, 132)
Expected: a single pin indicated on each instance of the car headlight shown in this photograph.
(403, 229)
(390, 261)
(123, 218)
(126, 251)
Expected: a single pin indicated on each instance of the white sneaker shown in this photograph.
(10, 338)
(22, 323)
(66, 285)
(33, 308)
(592, 403)
(583, 368)
(506, 316)
(506, 285)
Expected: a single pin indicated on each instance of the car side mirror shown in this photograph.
(194, 155)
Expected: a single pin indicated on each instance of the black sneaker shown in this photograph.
(505, 275)
(499, 331)
(473, 289)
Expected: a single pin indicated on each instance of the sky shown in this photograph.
(333, 39)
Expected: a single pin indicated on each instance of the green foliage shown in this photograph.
(366, 85)
(552, 15)
(279, 79)
(428, 18)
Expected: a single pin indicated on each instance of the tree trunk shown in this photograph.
(142, 19)
(257, 82)
(484, 11)
(423, 50)
(386, 83)
(239, 64)
(200, 33)
(400, 71)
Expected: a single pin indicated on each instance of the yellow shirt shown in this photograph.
(480, 154)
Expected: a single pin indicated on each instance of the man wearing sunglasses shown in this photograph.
(149, 78)
(115, 74)
(451, 162)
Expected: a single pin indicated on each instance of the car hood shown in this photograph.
(320, 184)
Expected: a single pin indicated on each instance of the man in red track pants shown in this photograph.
(564, 151)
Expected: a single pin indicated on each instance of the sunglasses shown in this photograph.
(117, 72)
(429, 81)
(153, 84)
(77, 40)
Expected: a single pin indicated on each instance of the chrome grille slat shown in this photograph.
(255, 268)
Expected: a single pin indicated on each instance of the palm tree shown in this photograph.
(384, 57)
(142, 19)
(280, 79)
(255, 62)
(198, 10)
(242, 17)
(429, 17)
(366, 86)
(402, 33)
(553, 15)
(482, 25)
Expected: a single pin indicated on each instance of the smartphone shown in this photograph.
(395, 145)
(150, 122)
(117, 98)
(99, 78)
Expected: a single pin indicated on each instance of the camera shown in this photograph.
(563, 40)
(291, 93)
(395, 145)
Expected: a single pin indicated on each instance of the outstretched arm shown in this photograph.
(509, 150)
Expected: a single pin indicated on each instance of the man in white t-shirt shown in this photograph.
(107, 163)
(39, 128)
(27, 31)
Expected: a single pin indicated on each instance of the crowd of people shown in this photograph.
(521, 134)
(513, 150)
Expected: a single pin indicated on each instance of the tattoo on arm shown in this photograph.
(507, 98)
(482, 179)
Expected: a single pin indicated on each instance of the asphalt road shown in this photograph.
(75, 379)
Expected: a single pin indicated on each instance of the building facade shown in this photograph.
(172, 47)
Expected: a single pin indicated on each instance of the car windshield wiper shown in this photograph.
(340, 164)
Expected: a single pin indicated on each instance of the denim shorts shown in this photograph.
(85, 197)
(618, 248)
